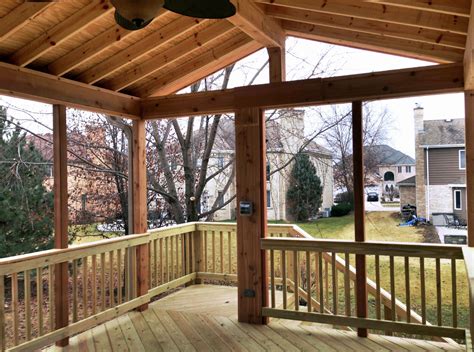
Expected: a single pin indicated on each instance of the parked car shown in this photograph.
(372, 197)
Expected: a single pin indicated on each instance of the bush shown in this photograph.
(341, 209)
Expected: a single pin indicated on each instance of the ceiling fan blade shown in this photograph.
(213, 9)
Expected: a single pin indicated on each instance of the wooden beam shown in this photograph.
(196, 41)
(379, 12)
(251, 181)
(359, 210)
(19, 17)
(367, 41)
(390, 30)
(140, 211)
(60, 32)
(452, 7)
(277, 64)
(370, 86)
(252, 20)
(153, 41)
(201, 66)
(469, 56)
(469, 131)
(34, 85)
(89, 49)
(61, 223)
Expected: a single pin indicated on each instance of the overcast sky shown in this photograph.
(338, 61)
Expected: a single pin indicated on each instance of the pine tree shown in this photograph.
(26, 206)
(304, 195)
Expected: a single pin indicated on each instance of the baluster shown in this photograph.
(438, 291)
(272, 277)
(222, 251)
(155, 262)
(51, 297)
(15, 307)
(347, 284)
(150, 265)
(172, 257)
(378, 311)
(167, 261)
(229, 249)
(192, 251)
(326, 281)
(296, 270)
(94, 284)
(84, 286)
(39, 299)
(119, 275)
(74, 291)
(205, 251)
(392, 287)
(111, 279)
(335, 295)
(162, 274)
(27, 303)
(126, 270)
(407, 288)
(188, 253)
(213, 251)
(284, 281)
(177, 257)
(316, 273)
(102, 281)
(308, 282)
(454, 293)
(423, 290)
(321, 290)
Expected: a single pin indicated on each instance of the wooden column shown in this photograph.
(140, 205)
(60, 217)
(469, 131)
(251, 186)
(359, 210)
(277, 64)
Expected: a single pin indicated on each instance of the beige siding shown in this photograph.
(444, 167)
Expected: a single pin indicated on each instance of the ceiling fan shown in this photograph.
(137, 14)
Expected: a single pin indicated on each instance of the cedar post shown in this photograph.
(251, 182)
(139, 194)
(469, 131)
(60, 218)
(277, 64)
(359, 210)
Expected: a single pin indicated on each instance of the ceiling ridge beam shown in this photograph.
(423, 35)
(434, 79)
(151, 42)
(19, 17)
(250, 19)
(196, 41)
(371, 11)
(366, 41)
(30, 84)
(450, 7)
(201, 66)
(60, 32)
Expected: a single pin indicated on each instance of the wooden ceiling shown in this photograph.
(79, 39)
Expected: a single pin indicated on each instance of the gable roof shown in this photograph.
(410, 181)
(442, 132)
(386, 155)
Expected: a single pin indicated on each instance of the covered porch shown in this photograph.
(120, 293)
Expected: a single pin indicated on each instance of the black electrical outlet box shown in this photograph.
(249, 292)
(245, 208)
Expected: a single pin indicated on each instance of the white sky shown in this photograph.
(339, 61)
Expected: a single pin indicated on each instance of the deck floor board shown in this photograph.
(204, 318)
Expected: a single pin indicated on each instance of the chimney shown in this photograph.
(418, 114)
(292, 128)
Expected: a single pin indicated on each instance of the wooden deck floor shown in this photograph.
(203, 318)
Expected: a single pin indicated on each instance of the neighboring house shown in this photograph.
(285, 136)
(389, 166)
(440, 184)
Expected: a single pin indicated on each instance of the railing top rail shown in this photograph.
(368, 248)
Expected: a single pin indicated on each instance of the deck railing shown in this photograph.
(102, 281)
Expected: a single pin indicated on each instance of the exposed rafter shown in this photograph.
(379, 12)
(34, 85)
(62, 31)
(435, 79)
(454, 7)
(154, 64)
(19, 17)
(469, 55)
(391, 30)
(140, 48)
(201, 66)
(252, 20)
(372, 42)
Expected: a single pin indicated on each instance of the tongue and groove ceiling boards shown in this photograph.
(79, 42)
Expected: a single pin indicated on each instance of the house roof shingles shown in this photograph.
(443, 132)
(386, 155)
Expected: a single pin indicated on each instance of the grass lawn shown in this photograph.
(382, 226)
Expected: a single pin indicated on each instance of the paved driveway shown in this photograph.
(376, 206)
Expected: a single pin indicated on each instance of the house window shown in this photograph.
(268, 171)
(220, 162)
(462, 159)
(389, 176)
(220, 199)
(457, 200)
(399, 169)
(269, 199)
(407, 169)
